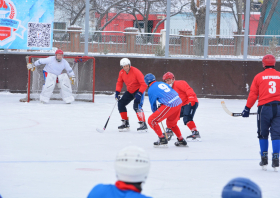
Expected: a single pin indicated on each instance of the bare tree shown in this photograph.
(145, 8)
(70, 10)
(261, 20)
(237, 9)
(199, 13)
(180, 9)
(263, 24)
(269, 17)
(74, 10)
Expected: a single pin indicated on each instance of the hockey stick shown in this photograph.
(233, 114)
(164, 131)
(102, 130)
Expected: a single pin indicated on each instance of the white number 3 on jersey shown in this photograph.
(272, 90)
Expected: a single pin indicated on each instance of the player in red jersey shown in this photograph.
(266, 86)
(189, 105)
(136, 86)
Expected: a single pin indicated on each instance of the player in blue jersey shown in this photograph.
(170, 109)
(132, 167)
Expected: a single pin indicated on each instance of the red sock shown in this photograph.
(141, 116)
(180, 138)
(124, 115)
(158, 131)
(191, 125)
(177, 132)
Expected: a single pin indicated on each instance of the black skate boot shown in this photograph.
(161, 142)
(143, 127)
(181, 142)
(194, 137)
(275, 161)
(264, 161)
(169, 133)
(124, 127)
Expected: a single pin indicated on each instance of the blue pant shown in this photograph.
(187, 112)
(127, 98)
(269, 120)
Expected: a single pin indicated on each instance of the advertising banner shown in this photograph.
(26, 24)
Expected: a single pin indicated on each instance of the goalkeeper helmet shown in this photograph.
(59, 51)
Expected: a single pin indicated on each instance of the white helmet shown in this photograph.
(132, 164)
(125, 61)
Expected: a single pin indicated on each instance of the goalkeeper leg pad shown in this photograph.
(66, 89)
(48, 88)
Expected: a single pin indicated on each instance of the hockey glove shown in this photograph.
(30, 66)
(138, 97)
(246, 112)
(73, 80)
(117, 97)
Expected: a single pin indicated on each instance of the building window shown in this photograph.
(59, 25)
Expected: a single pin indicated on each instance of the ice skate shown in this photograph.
(169, 133)
(162, 142)
(194, 137)
(264, 161)
(124, 127)
(143, 127)
(275, 161)
(181, 143)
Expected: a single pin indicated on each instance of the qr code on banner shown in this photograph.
(39, 35)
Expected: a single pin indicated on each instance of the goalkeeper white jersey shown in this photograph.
(53, 66)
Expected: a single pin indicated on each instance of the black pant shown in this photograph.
(126, 99)
(187, 112)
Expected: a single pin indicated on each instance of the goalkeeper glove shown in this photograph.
(30, 66)
(73, 80)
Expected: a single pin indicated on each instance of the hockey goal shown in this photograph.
(83, 89)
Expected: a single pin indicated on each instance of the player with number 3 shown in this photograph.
(266, 88)
(170, 109)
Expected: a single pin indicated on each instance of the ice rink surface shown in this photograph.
(54, 151)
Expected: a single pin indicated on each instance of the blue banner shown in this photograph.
(26, 24)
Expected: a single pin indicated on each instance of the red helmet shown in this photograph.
(168, 75)
(59, 51)
(268, 60)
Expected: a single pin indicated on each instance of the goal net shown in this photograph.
(83, 89)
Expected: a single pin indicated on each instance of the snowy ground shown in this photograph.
(54, 151)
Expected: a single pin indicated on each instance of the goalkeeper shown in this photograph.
(54, 65)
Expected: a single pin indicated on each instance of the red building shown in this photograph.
(254, 21)
(123, 21)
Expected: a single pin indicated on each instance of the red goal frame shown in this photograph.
(83, 58)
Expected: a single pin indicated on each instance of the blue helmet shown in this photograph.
(241, 188)
(149, 78)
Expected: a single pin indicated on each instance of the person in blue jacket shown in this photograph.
(132, 167)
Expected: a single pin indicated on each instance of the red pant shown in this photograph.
(171, 114)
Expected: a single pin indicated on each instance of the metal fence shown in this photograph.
(202, 29)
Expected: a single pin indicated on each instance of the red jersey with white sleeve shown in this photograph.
(266, 86)
(185, 92)
(133, 80)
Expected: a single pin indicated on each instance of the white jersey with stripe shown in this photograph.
(55, 67)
